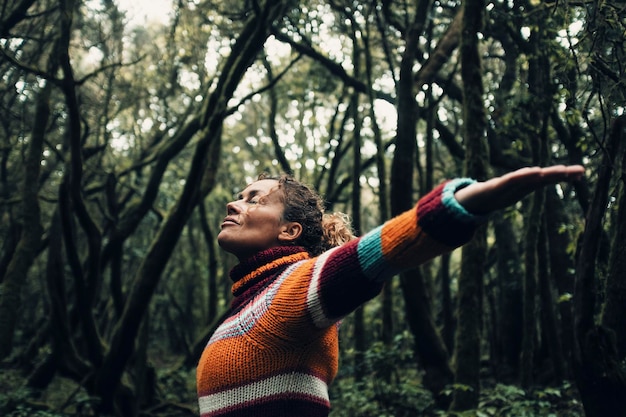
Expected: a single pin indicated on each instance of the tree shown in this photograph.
(601, 382)
(469, 327)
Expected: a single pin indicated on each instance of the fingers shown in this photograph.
(547, 175)
(566, 173)
(500, 192)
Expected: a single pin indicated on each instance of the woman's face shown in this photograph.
(254, 221)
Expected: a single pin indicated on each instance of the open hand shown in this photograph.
(500, 192)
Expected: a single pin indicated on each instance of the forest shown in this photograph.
(125, 132)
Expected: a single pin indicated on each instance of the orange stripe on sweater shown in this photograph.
(402, 236)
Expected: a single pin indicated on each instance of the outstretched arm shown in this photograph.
(500, 192)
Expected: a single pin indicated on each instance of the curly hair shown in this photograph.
(320, 231)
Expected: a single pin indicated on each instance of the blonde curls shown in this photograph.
(337, 229)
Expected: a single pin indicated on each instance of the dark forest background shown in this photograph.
(122, 140)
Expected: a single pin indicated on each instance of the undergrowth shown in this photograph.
(391, 387)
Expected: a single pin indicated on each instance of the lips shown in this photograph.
(229, 221)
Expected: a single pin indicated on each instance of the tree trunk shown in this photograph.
(509, 282)
(26, 249)
(470, 293)
(64, 352)
(87, 275)
(599, 373)
(447, 306)
(117, 250)
(538, 110)
(429, 349)
(529, 334)
(387, 330)
(560, 242)
(550, 321)
(469, 323)
(9, 245)
(278, 150)
(614, 313)
(360, 344)
(212, 296)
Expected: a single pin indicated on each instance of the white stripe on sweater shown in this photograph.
(313, 297)
(282, 385)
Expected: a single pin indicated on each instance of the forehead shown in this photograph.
(261, 187)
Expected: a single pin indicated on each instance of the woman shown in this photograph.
(301, 272)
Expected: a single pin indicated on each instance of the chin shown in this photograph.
(222, 242)
(228, 245)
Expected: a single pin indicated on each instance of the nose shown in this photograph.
(233, 208)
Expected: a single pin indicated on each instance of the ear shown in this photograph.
(290, 232)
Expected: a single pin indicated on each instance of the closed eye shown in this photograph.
(252, 198)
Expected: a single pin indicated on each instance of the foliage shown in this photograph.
(17, 400)
(177, 385)
(512, 401)
(375, 397)
(391, 389)
(401, 394)
(64, 398)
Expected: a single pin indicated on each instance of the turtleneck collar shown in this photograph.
(255, 272)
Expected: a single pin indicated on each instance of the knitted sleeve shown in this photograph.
(340, 280)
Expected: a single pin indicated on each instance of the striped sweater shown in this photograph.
(277, 352)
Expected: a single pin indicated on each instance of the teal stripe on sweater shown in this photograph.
(370, 250)
(454, 207)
